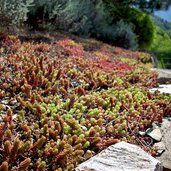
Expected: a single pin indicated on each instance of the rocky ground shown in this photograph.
(165, 157)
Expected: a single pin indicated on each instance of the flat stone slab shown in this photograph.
(163, 88)
(163, 73)
(121, 157)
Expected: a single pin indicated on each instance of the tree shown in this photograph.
(13, 13)
(143, 26)
(99, 19)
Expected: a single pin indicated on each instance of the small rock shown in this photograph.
(14, 116)
(88, 154)
(8, 107)
(13, 102)
(84, 128)
(160, 147)
(156, 125)
(121, 157)
(163, 88)
(141, 133)
(5, 102)
(155, 134)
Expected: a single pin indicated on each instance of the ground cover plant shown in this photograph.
(63, 102)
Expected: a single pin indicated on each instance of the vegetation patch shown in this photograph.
(61, 104)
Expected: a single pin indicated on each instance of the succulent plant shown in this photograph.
(70, 104)
(4, 166)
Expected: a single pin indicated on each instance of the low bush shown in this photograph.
(14, 12)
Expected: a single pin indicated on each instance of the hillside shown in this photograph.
(64, 99)
(162, 41)
(162, 23)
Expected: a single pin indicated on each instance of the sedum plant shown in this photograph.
(63, 109)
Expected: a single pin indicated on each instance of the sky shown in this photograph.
(164, 14)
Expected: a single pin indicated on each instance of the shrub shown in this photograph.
(89, 18)
(14, 12)
(83, 17)
(143, 25)
(124, 36)
(144, 28)
(46, 14)
(121, 34)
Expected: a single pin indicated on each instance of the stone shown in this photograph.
(160, 146)
(156, 125)
(5, 102)
(155, 134)
(121, 157)
(163, 88)
(84, 128)
(163, 73)
(13, 102)
(142, 133)
(14, 116)
(165, 157)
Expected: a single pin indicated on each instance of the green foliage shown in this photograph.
(13, 12)
(164, 58)
(162, 40)
(121, 34)
(90, 18)
(161, 47)
(87, 18)
(45, 13)
(84, 17)
(98, 18)
(97, 22)
(169, 33)
(143, 26)
(124, 36)
(163, 24)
